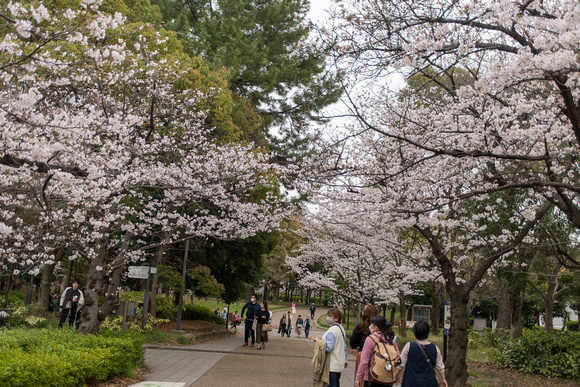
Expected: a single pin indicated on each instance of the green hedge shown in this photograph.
(572, 326)
(553, 354)
(44, 357)
(201, 313)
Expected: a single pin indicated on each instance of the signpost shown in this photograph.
(446, 326)
(143, 272)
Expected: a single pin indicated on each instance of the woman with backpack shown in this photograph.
(420, 360)
(360, 333)
(374, 369)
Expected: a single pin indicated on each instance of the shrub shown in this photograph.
(26, 316)
(572, 326)
(553, 354)
(43, 357)
(17, 298)
(201, 313)
(166, 309)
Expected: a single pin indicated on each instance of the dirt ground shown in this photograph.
(485, 374)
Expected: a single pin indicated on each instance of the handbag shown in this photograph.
(255, 324)
(68, 305)
(432, 366)
(267, 328)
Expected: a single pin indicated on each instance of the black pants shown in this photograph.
(248, 330)
(312, 315)
(306, 331)
(70, 314)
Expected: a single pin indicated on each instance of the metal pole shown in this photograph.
(444, 348)
(180, 307)
(125, 305)
(29, 293)
(146, 300)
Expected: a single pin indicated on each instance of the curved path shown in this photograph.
(285, 361)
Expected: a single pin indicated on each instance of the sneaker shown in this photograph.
(252, 344)
(246, 344)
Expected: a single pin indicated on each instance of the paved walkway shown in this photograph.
(225, 362)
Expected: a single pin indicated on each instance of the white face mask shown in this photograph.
(253, 300)
(329, 320)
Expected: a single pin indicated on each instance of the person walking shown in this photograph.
(224, 313)
(312, 310)
(335, 346)
(252, 307)
(361, 332)
(288, 325)
(381, 331)
(235, 319)
(293, 308)
(306, 326)
(282, 327)
(418, 357)
(262, 317)
(71, 303)
(299, 324)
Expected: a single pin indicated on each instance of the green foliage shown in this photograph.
(488, 338)
(17, 298)
(204, 284)
(263, 45)
(43, 357)
(27, 317)
(200, 313)
(572, 326)
(239, 262)
(166, 309)
(133, 296)
(115, 323)
(553, 354)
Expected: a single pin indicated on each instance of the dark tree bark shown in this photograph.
(47, 271)
(157, 262)
(504, 312)
(517, 303)
(90, 312)
(402, 310)
(436, 288)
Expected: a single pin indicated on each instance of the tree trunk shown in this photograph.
(277, 293)
(403, 322)
(516, 308)
(44, 293)
(8, 290)
(90, 312)
(66, 280)
(504, 313)
(550, 298)
(456, 365)
(159, 258)
(435, 306)
(393, 311)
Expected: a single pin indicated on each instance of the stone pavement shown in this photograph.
(226, 361)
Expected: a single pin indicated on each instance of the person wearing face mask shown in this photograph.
(382, 331)
(335, 346)
(252, 307)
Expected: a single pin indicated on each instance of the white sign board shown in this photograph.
(447, 318)
(141, 272)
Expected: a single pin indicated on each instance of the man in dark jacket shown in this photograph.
(312, 310)
(252, 306)
(71, 302)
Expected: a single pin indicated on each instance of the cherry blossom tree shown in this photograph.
(104, 143)
(476, 152)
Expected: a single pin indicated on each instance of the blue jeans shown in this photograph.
(289, 331)
(334, 379)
